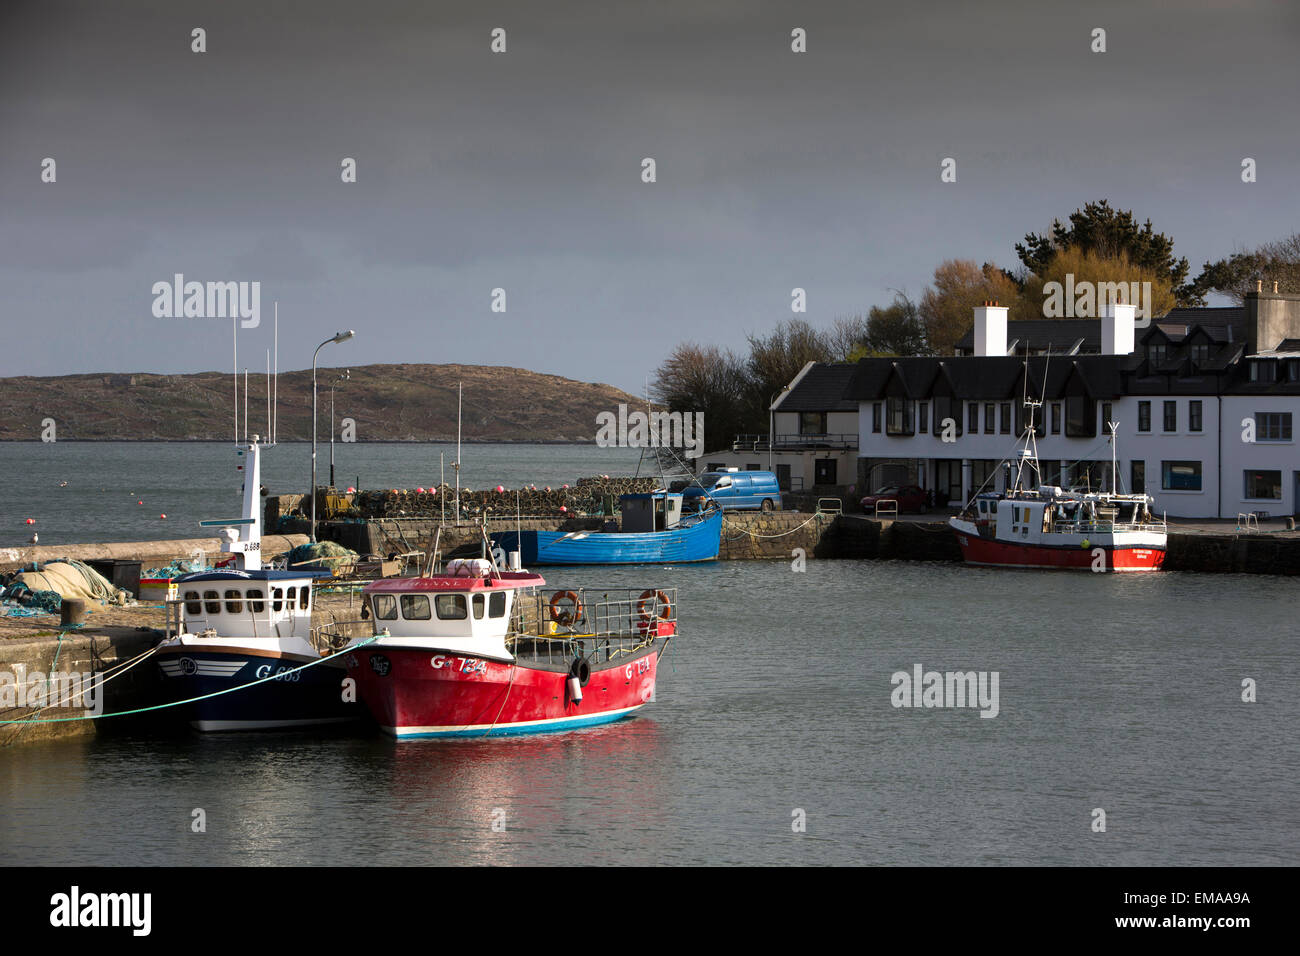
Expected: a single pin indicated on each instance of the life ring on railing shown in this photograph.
(562, 616)
(664, 607)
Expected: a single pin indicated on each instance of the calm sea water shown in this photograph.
(1119, 692)
(189, 482)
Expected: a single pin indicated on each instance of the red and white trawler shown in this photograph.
(1035, 525)
(476, 651)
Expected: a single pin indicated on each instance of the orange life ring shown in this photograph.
(564, 617)
(664, 606)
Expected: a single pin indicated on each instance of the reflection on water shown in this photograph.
(1120, 692)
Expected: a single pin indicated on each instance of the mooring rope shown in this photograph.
(191, 700)
(753, 534)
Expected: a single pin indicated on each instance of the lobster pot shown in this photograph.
(575, 690)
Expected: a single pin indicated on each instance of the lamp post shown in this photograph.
(339, 337)
(347, 374)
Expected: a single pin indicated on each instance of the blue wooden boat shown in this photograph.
(654, 532)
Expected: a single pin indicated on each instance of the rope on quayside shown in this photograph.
(191, 700)
(753, 534)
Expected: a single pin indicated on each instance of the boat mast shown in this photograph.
(460, 391)
(1114, 466)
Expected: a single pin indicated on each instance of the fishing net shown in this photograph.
(321, 556)
(73, 579)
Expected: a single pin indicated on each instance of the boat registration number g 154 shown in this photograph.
(463, 665)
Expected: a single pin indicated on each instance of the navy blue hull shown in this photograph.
(313, 695)
(699, 541)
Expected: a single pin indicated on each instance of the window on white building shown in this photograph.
(1171, 417)
(1195, 415)
(898, 417)
(1264, 484)
(1144, 416)
(1272, 426)
(1180, 475)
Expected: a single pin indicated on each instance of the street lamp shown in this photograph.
(347, 374)
(340, 337)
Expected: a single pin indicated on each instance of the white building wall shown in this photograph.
(1220, 495)
(1240, 455)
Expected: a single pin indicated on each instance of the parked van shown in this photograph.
(735, 490)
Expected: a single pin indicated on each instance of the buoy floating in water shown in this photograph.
(139, 502)
(500, 488)
(162, 516)
(31, 521)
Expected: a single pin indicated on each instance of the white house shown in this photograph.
(816, 433)
(1204, 402)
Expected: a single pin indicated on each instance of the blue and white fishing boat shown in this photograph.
(653, 531)
(234, 626)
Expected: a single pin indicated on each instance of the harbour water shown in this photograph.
(1116, 692)
(188, 480)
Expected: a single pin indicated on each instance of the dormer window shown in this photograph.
(1263, 371)
(1157, 353)
(1201, 353)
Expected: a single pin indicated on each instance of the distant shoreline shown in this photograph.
(300, 441)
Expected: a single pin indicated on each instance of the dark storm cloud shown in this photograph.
(521, 171)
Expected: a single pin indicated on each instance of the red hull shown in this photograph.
(986, 551)
(422, 693)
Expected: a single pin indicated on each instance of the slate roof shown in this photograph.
(822, 389)
(1060, 335)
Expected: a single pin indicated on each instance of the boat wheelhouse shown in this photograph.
(476, 652)
(231, 627)
(654, 530)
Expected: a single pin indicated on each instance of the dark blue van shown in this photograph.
(735, 490)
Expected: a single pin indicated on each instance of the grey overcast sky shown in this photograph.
(522, 170)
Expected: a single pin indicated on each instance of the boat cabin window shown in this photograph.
(304, 598)
(497, 604)
(451, 607)
(234, 602)
(277, 599)
(255, 602)
(415, 607)
(385, 607)
(479, 603)
(212, 602)
(192, 604)
(291, 598)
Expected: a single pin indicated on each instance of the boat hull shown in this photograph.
(300, 698)
(1096, 556)
(424, 693)
(699, 541)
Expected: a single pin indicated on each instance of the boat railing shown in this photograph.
(1101, 525)
(609, 623)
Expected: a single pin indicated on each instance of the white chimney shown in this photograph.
(991, 329)
(1117, 329)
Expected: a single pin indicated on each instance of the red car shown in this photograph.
(909, 498)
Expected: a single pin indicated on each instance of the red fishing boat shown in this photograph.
(1033, 525)
(475, 651)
